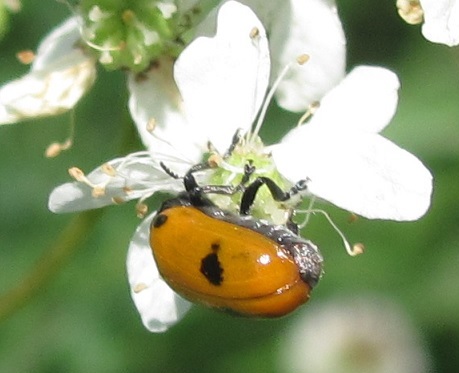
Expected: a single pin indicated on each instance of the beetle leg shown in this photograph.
(278, 194)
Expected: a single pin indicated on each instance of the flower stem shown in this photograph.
(49, 264)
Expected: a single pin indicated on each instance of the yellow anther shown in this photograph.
(118, 200)
(410, 11)
(98, 191)
(108, 169)
(139, 287)
(214, 160)
(358, 249)
(151, 125)
(56, 148)
(53, 150)
(254, 33)
(25, 57)
(77, 174)
(127, 190)
(141, 209)
(302, 59)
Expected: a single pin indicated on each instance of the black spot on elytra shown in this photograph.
(211, 267)
(159, 220)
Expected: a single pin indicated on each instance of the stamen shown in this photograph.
(141, 209)
(98, 191)
(302, 59)
(151, 125)
(54, 149)
(118, 200)
(410, 11)
(25, 57)
(308, 215)
(270, 95)
(309, 113)
(152, 122)
(77, 174)
(108, 169)
(254, 33)
(355, 250)
(214, 160)
(137, 288)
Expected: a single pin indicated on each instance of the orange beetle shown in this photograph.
(233, 262)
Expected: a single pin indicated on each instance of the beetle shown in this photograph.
(233, 262)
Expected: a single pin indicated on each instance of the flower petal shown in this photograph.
(357, 171)
(155, 100)
(223, 79)
(441, 21)
(158, 305)
(59, 77)
(365, 100)
(134, 177)
(297, 27)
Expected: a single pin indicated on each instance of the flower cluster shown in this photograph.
(190, 95)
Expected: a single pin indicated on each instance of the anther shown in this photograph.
(354, 250)
(77, 174)
(309, 113)
(25, 57)
(98, 191)
(410, 11)
(137, 288)
(108, 169)
(254, 33)
(151, 125)
(214, 160)
(127, 190)
(141, 210)
(54, 149)
(118, 200)
(358, 249)
(302, 59)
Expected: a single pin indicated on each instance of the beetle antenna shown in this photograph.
(168, 171)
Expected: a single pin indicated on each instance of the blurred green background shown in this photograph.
(83, 320)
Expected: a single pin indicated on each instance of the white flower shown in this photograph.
(60, 75)
(295, 27)
(357, 335)
(63, 70)
(440, 17)
(221, 83)
(64, 67)
(441, 21)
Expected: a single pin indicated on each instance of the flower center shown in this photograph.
(229, 170)
(132, 34)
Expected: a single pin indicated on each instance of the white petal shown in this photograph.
(297, 27)
(223, 79)
(357, 171)
(154, 98)
(132, 181)
(158, 305)
(365, 100)
(441, 21)
(59, 77)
